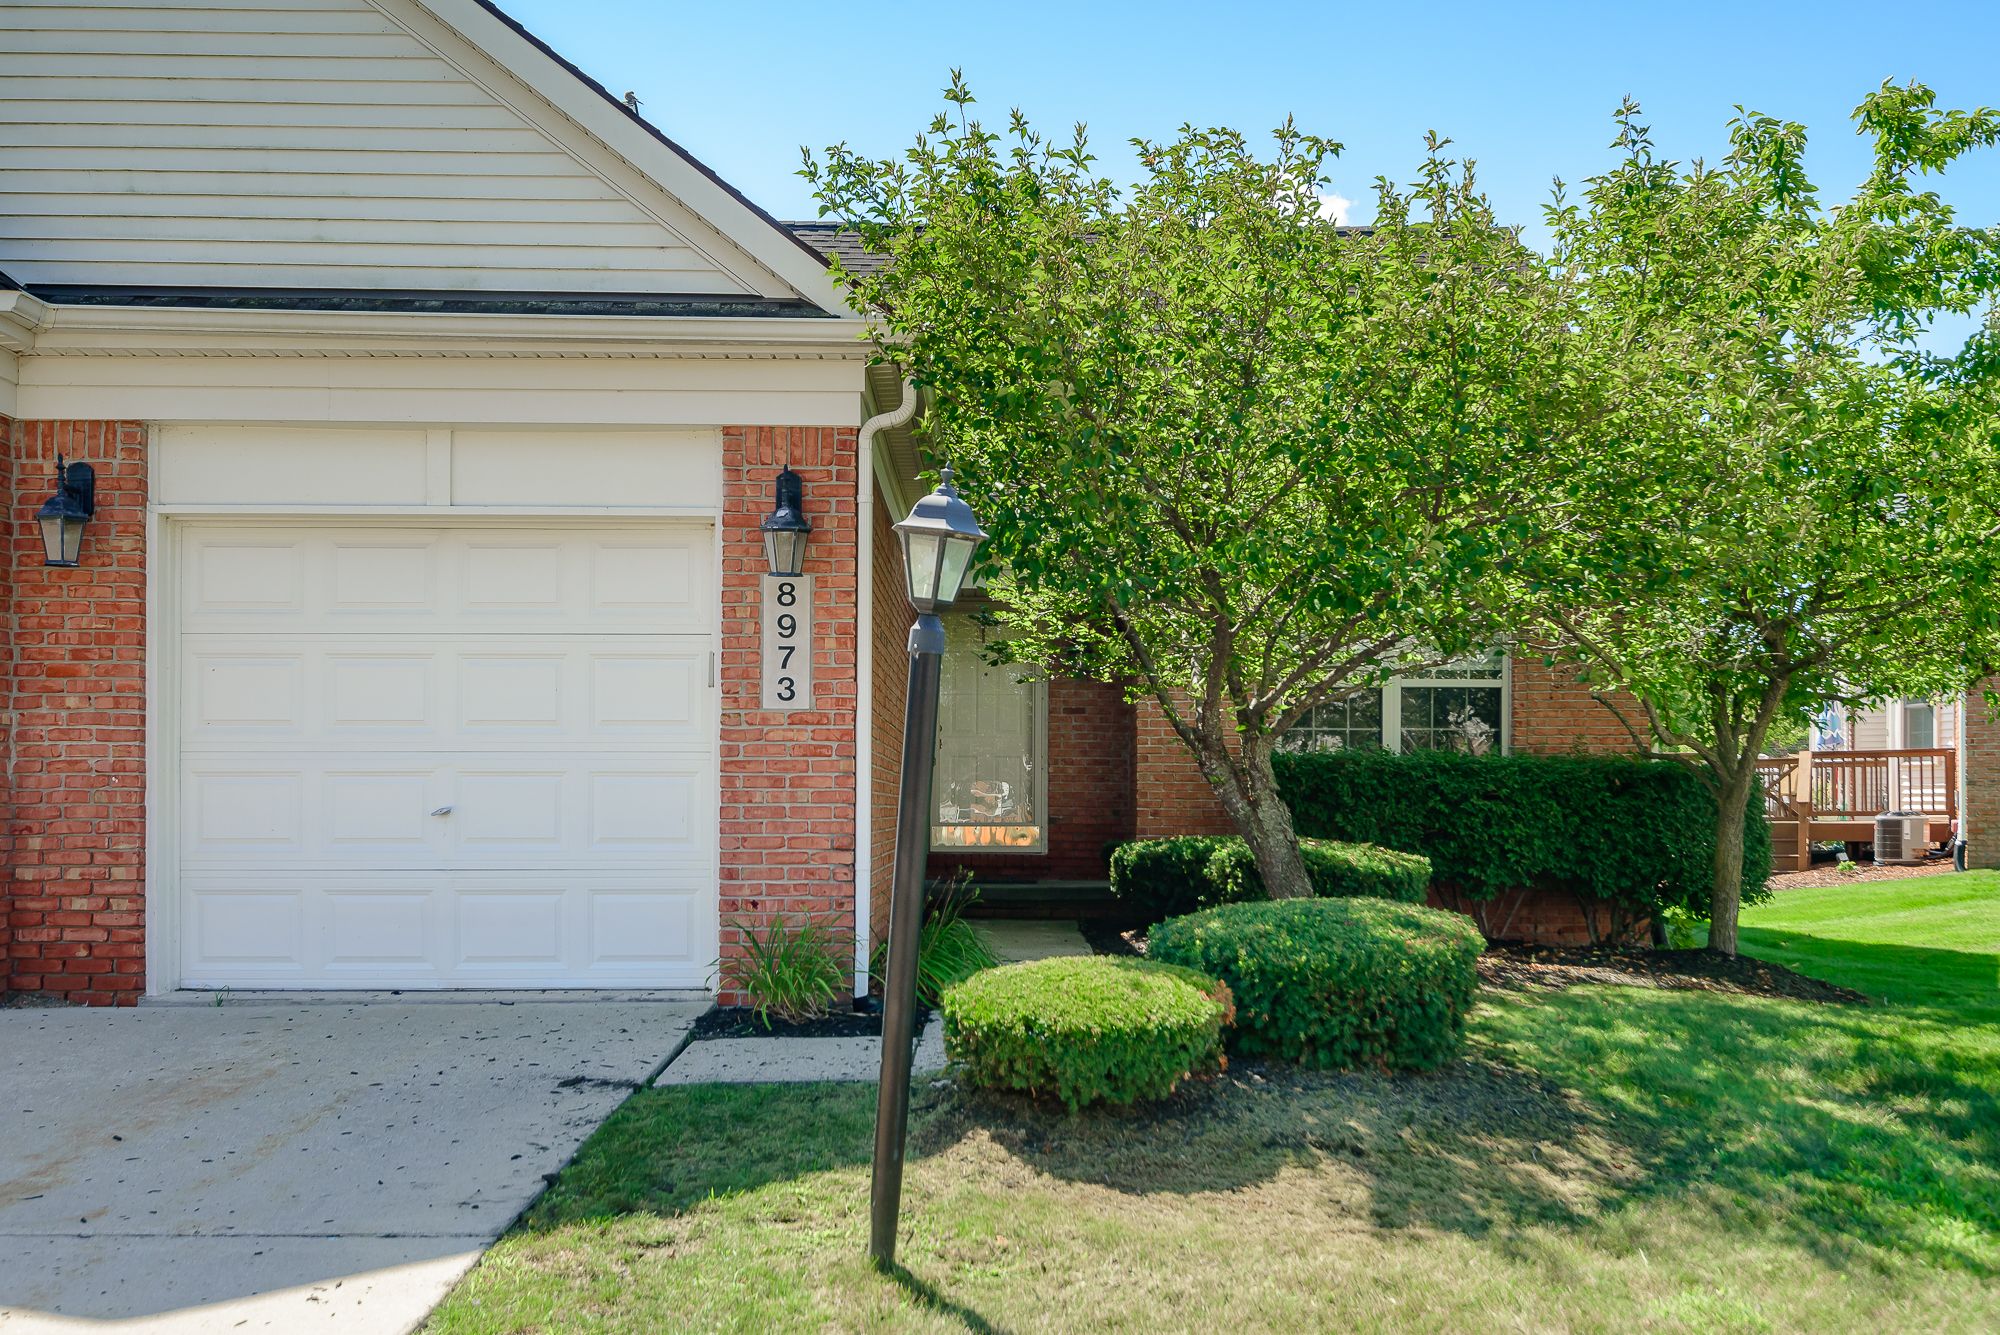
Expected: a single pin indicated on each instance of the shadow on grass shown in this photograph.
(1947, 986)
(929, 1296)
(1852, 1130)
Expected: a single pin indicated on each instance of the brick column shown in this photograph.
(1979, 762)
(74, 691)
(787, 780)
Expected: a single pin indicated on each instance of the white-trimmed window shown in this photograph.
(1462, 706)
(990, 790)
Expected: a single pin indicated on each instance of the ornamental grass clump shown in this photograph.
(949, 948)
(1086, 1029)
(795, 971)
(1335, 983)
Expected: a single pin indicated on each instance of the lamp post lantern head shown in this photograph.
(64, 514)
(786, 527)
(939, 539)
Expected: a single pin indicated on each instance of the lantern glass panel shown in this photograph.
(957, 556)
(786, 550)
(920, 560)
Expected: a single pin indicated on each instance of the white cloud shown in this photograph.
(1335, 208)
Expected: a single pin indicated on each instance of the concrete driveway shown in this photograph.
(290, 1164)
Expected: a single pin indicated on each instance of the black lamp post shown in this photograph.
(785, 528)
(939, 539)
(64, 514)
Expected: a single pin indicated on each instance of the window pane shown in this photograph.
(1451, 718)
(1339, 725)
(984, 792)
(1919, 726)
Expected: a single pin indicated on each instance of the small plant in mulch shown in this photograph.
(793, 971)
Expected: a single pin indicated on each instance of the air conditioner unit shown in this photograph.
(1900, 837)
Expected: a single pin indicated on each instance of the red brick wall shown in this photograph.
(788, 780)
(1555, 713)
(75, 711)
(1979, 816)
(1090, 792)
(891, 671)
(1170, 796)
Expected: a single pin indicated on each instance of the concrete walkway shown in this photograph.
(279, 1165)
(791, 1061)
(1017, 939)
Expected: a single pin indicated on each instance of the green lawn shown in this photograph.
(1605, 1159)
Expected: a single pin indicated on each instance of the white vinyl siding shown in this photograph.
(316, 143)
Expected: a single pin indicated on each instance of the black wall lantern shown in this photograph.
(64, 514)
(785, 528)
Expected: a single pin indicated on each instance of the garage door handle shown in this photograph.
(442, 811)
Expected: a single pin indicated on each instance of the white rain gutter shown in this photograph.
(864, 669)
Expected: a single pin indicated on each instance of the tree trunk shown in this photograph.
(1726, 889)
(1249, 793)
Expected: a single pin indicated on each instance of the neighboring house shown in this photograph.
(1890, 725)
(434, 399)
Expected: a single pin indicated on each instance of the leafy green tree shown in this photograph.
(1230, 454)
(1827, 526)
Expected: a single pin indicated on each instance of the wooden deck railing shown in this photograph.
(1815, 792)
(1860, 785)
(1855, 785)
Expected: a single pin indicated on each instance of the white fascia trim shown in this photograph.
(56, 330)
(738, 223)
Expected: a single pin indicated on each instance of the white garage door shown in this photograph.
(446, 757)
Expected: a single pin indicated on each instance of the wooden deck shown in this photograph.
(1823, 796)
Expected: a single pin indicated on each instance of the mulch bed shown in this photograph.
(1863, 873)
(1517, 966)
(1110, 938)
(742, 1022)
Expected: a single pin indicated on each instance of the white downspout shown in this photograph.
(864, 668)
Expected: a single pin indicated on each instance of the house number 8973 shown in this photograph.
(787, 642)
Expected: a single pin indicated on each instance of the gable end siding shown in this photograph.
(304, 143)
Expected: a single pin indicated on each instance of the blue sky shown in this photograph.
(1525, 89)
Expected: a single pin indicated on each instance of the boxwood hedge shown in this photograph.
(1158, 878)
(1335, 983)
(1086, 1029)
(1638, 832)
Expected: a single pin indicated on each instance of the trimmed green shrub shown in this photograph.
(1335, 983)
(1638, 832)
(1161, 878)
(1086, 1028)
(1337, 871)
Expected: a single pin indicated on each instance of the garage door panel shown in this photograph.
(385, 689)
(524, 809)
(236, 812)
(639, 579)
(450, 692)
(590, 928)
